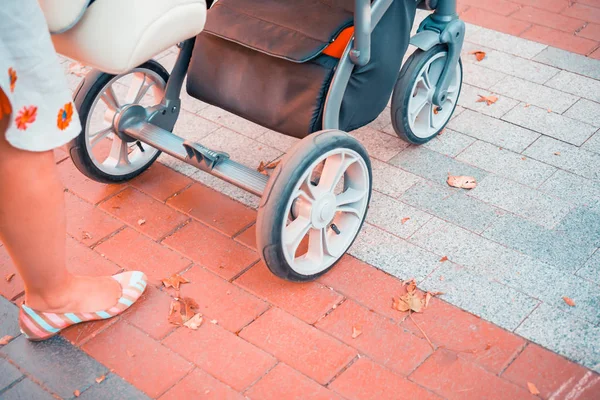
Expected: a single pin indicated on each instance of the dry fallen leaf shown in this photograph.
(356, 331)
(9, 277)
(214, 321)
(523, 158)
(86, 235)
(5, 340)
(549, 110)
(175, 316)
(194, 322)
(273, 165)
(428, 297)
(100, 379)
(190, 305)
(141, 221)
(411, 286)
(464, 182)
(489, 100)
(527, 105)
(174, 281)
(479, 55)
(444, 259)
(403, 220)
(569, 301)
(415, 303)
(130, 354)
(76, 393)
(400, 305)
(441, 277)
(488, 346)
(557, 153)
(532, 389)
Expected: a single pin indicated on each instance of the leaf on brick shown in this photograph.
(141, 222)
(76, 393)
(414, 302)
(479, 55)
(399, 304)
(444, 259)
(194, 322)
(463, 182)
(9, 277)
(85, 235)
(569, 301)
(356, 331)
(174, 281)
(273, 164)
(489, 100)
(100, 379)
(175, 316)
(411, 286)
(5, 340)
(403, 220)
(532, 389)
(428, 297)
(190, 306)
(557, 153)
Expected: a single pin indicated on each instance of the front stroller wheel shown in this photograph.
(314, 205)
(414, 116)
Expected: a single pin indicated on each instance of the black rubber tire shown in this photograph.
(272, 209)
(92, 85)
(403, 92)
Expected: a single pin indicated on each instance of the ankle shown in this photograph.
(49, 299)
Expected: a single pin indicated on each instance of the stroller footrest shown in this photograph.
(204, 154)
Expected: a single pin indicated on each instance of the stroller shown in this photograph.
(312, 69)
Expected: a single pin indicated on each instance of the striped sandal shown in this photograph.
(38, 326)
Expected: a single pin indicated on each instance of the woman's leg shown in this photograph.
(32, 228)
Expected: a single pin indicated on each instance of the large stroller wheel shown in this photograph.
(314, 205)
(414, 116)
(98, 152)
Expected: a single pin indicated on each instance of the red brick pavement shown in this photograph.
(572, 25)
(264, 338)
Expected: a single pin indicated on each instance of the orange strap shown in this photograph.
(337, 47)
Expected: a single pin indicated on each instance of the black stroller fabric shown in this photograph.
(262, 60)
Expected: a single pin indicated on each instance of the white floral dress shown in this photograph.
(35, 95)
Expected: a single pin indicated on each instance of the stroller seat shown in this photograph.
(115, 36)
(267, 61)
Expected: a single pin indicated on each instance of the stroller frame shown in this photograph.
(153, 126)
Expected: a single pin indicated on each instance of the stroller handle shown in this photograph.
(361, 51)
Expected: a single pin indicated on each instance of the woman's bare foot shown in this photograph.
(80, 294)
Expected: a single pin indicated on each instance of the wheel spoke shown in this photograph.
(98, 136)
(334, 169)
(349, 196)
(315, 245)
(110, 98)
(119, 154)
(294, 233)
(416, 107)
(426, 79)
(430, 116)
(135, 96)
(348, 210)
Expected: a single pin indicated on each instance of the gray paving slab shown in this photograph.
(493, 130)
(9, 374)
(518, 271)
(586, 111)
(387, 213)
(450, 143)
(9, 314)
(574, 189)
(482, 77)
(565, 249)
(506, 163)
(468, 48)
(390, 180)
(278, 140)
(113, 387)
(521, 200)
(46, 362)
(233, 122)
(27, 390)
(591, 270)
(452, 205)
(565, 156)
(593, 143)
(576, 84)
(582, 223)
(569, 61)
(480, 295)
(551, 124)
(519, 67)
(382, 121)
(226, 188)
(470, 95)
(378, 144)
(393, 255)
(434, 166)
(191, 127)
(503, 42)
(535, 94)
(568, 336)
